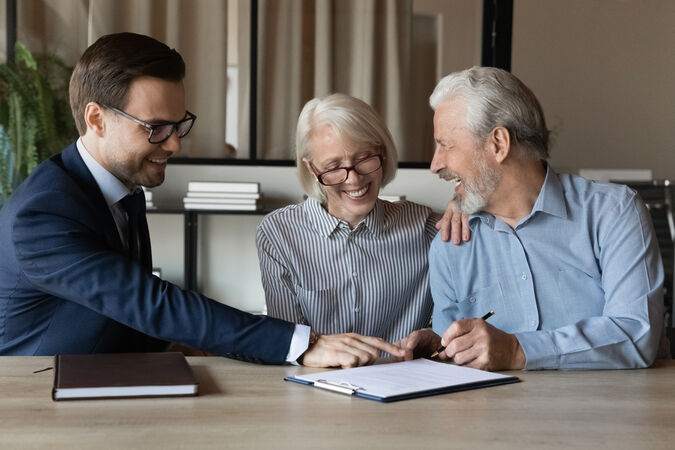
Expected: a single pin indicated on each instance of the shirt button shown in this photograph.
(523, 276)
(532, 323)
(353, 274)
(357, 309)
(472, 300)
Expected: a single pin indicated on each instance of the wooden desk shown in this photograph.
(250, 406)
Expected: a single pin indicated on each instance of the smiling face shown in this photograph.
(124, 148)
(353, 199)
(460, 159)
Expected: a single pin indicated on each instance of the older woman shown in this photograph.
(344, 260)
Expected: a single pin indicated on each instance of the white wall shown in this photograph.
(603, 71)
(228, 263)
(460, 33)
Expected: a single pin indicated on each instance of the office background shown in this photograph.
(602, 70)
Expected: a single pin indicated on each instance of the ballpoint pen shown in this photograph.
(485, 317)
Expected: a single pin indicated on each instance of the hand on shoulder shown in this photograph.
(454, 225)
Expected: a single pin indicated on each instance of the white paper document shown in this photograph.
(408, 379)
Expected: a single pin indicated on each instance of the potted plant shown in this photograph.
(35, 117)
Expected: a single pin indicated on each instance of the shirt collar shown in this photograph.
(375, 220)
(113, 190)
(551, 200)
(326, 224)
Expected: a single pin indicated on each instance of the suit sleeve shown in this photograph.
(62, 251)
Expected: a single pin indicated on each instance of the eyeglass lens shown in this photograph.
(160, 133)
(363, 167)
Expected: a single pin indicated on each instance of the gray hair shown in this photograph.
(350, 119)
(496, 98)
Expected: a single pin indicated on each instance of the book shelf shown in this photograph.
(191, 235)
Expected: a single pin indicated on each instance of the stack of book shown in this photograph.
(223, 196)
(148, 199)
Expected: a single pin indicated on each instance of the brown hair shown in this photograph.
(107, 68)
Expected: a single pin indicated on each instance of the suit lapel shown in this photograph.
(72, 162)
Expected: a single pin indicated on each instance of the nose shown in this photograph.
(436, 162)
(173, 144)
(352, 176)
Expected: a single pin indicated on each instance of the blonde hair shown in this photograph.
(350, 119)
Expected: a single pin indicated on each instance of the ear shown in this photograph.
(95, 119)
(308, 166)
(499, 144)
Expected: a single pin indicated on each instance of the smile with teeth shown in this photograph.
(360, 193)
(158, 161)
(454, 180)
(455, 183)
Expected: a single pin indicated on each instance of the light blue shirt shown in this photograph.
(111, 187)
(578, 281)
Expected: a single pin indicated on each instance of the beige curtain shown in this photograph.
(197, 29)
(307, 48)
(51, 26)
(312, 48)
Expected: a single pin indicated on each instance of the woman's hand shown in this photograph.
(454, 225)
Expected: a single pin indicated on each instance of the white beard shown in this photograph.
(477, 191)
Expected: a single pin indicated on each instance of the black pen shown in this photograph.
(485, 317)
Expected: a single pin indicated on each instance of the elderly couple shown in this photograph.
(570, 268)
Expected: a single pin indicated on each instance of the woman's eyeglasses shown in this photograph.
(339, 175)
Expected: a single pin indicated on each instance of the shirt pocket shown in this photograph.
(581, 295)
(482, 301)
(328, 309)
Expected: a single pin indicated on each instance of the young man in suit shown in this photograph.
(75, 272)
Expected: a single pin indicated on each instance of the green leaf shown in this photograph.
(23, 56)
(35, 117)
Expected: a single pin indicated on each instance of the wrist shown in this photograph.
(313, 337)
(519, 360)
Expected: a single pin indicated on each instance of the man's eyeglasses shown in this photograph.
(162, 131)
(336, 176)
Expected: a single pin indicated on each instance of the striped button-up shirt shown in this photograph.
(371, 280)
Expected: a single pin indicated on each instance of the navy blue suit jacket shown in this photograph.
(67, 286)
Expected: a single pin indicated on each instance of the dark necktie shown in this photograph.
(138, 236)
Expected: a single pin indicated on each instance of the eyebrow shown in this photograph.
(443, 141)
(357, 156)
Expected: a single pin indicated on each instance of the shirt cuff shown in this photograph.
(540, 350)
(299, 343)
